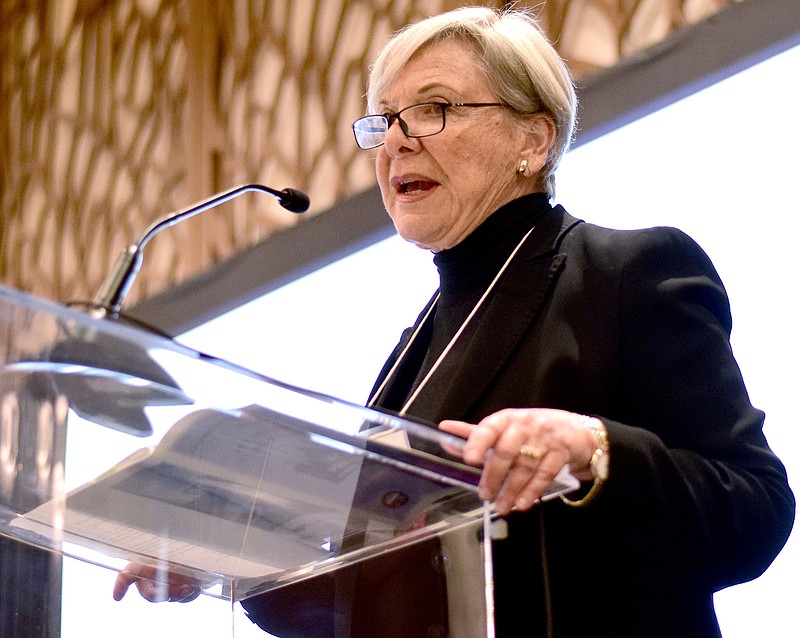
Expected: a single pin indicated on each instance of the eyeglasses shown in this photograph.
(419, 120)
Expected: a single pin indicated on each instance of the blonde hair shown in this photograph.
(520, 65)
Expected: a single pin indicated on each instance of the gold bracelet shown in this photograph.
(598, 463)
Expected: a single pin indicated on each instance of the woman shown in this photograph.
(552, 342)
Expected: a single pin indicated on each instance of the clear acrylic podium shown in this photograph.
(119, 445)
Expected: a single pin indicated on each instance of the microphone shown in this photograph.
(292, 199)
(116, 287)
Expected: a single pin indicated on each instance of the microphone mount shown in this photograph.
(116, 287)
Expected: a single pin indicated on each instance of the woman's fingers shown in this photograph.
(522, 451)
(156, 585)
(527, 481)
(125, 579)
(459, 428)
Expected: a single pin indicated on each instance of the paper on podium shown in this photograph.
(246, 497)
(294, 484)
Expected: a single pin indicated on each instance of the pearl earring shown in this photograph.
(523, 166)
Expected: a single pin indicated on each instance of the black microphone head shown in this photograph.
(294, 200)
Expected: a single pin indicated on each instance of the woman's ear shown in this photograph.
(540, 135)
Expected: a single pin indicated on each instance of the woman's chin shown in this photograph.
(418, 234)
(423, 241)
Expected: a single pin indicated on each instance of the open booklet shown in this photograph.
(252, 495)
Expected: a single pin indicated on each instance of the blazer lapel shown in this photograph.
(507, 319)
(397, 376)
(509, 315)
(512, 308)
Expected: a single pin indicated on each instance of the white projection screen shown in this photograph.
(720, 164)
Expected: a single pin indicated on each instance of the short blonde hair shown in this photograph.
(520, 64)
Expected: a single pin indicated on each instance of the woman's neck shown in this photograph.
(468, 267)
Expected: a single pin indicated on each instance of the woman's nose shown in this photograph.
(397, 142)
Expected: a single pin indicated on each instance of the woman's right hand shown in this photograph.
(156, 585)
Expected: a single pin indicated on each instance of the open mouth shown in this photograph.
(412, 186)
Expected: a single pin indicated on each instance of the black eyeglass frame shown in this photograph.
(442, 106)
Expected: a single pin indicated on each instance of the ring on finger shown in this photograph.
(531, 451)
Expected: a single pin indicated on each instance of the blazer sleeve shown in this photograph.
(688, 452)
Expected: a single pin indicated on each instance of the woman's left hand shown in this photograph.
(156, 585)
(522, 450)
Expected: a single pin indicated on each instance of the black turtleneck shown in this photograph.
(465, 272)
(472, 264)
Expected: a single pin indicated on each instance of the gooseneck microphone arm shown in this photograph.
(118, 284)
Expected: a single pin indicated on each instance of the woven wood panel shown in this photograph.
(114, 113)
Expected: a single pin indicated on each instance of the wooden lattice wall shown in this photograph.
(116, 112)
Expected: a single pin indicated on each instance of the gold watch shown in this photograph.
(599, 462)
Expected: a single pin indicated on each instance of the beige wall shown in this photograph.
(114, 113)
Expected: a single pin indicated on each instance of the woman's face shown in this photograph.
(438, 189)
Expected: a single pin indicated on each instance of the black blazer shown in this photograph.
(632, 327)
